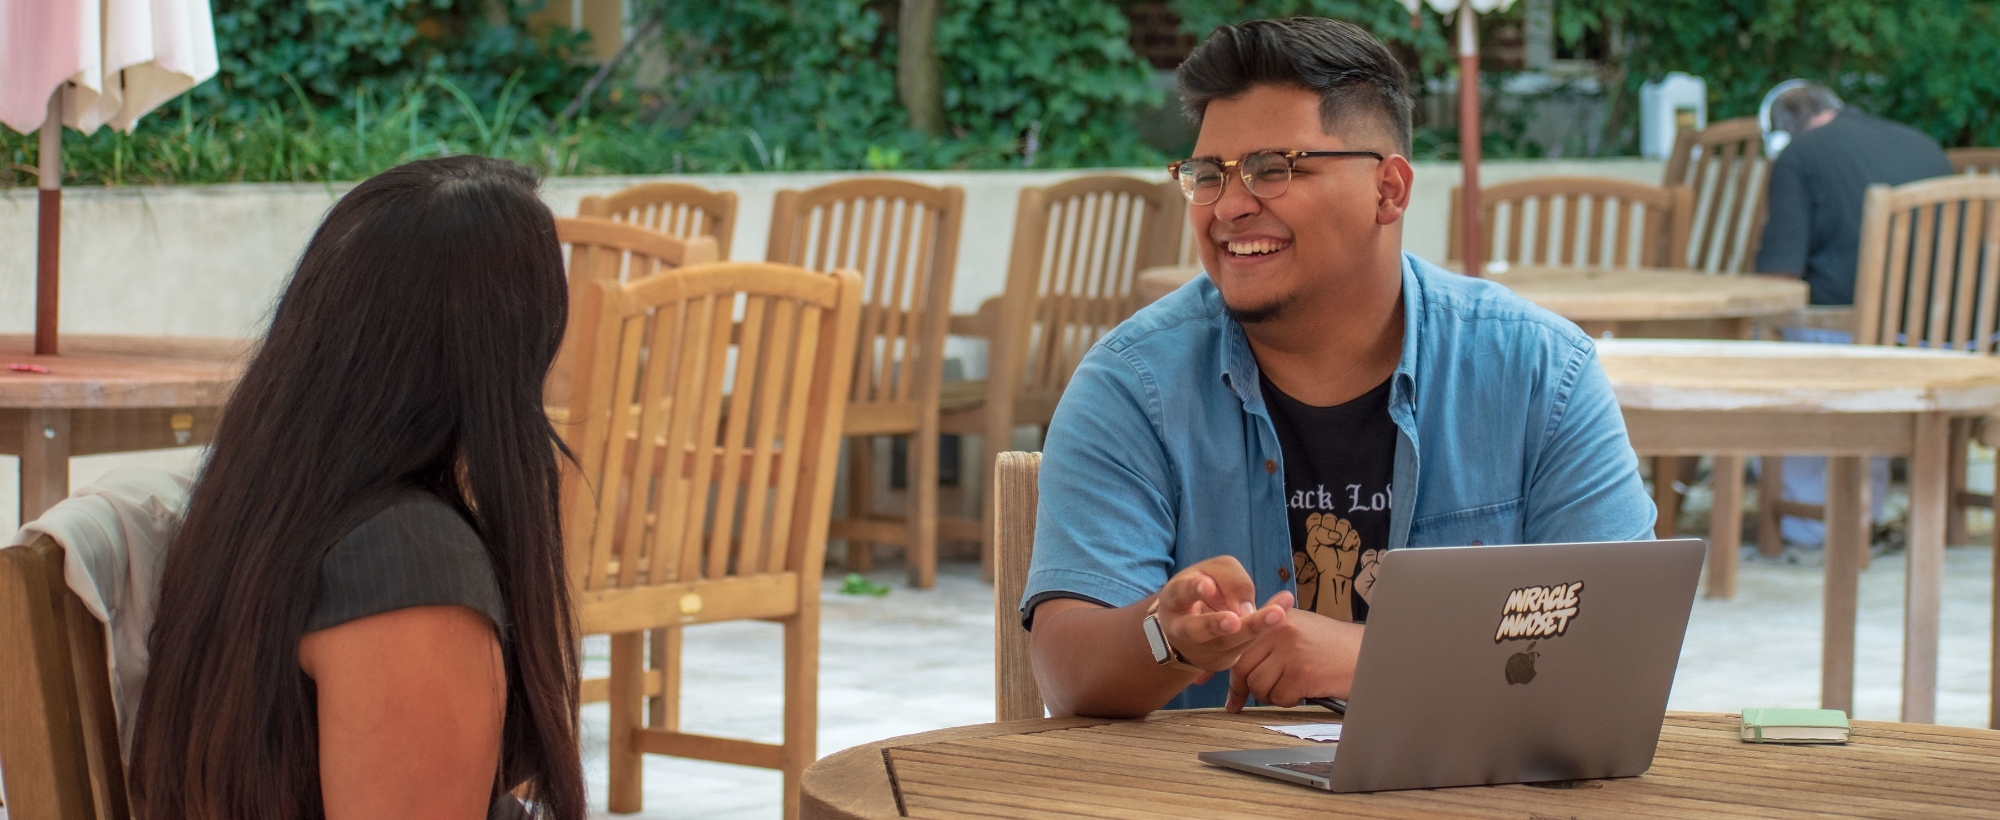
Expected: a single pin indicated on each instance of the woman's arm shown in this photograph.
(411, 704)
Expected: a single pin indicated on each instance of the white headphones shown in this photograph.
(1775, 141)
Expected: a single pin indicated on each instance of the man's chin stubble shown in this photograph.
(1257, 315)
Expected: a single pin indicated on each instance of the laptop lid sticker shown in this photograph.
(1539, 612)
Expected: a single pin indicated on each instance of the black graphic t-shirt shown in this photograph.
(1339, 461)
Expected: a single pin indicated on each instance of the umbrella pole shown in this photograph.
(1468, 138)
(48, 236)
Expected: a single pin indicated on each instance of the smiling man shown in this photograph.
(1266, 432)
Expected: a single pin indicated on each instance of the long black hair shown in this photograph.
(409, 348)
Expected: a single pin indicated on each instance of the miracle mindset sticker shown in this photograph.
(1538, 612)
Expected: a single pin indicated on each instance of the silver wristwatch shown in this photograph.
(1164, 653)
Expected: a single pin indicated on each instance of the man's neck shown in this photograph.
(1337, 344)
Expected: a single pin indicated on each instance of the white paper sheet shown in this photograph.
(1321, 732)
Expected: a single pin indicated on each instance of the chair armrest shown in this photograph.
(982, 323)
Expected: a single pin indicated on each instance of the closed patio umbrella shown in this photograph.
(90, 63)
(1468, 113)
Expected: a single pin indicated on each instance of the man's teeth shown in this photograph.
(1256, 247)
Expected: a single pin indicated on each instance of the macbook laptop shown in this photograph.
(1505, 664)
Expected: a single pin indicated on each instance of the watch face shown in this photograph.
(1157, 640)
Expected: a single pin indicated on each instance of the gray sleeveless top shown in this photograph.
(418, 551)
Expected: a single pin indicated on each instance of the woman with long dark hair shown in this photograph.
(364, 613)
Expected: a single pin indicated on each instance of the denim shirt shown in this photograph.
(1161, 453)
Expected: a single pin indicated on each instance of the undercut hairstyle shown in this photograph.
(1793, 109)
(409, 349)
(1354, 75)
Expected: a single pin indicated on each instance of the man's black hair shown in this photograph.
(1352, 72)
(1792, 110)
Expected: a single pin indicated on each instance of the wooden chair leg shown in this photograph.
(921, 554)
(1955, 507)
(1725, 526)
(1666, 471)
(1993, 716)
(1770, 489)
(860, 498)
(663, 711)
(801, 700)
(627, 787)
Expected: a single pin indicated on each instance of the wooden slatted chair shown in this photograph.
(1724, 166)
(710, 400)
(1580, 221)
(1016, 696)
(1974, 160)
(58, 726)
(1929, 276)
(1078, 246)
(903, 238)
(601, 250)
(672, 208)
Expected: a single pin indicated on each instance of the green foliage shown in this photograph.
(1934, 64)
(857, 584)
(812, 84)
(1385, 19)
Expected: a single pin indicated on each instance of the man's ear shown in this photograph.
(1393, 180)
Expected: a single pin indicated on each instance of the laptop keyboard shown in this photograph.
(1319, 769)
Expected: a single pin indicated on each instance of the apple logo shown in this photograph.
(1521, 666)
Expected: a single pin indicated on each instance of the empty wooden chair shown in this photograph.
(1573, 221)
(601, 250)
(903, 238)
(1974, 160)
(58, 726)
(1016, 696)
(1077, 247)
(672, 208)
(710, 402)
(1724, 167)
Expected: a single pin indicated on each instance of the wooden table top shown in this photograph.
(1786, 376)
(1074, 767)
(1607, 294)
(122, 371)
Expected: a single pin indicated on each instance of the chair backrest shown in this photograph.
(1579, 221)
(1929, 270)
(903, 239)
(1078, 246)
(1015, 493)
(58, 726)
(600, 250)
(672, 208)
(1974, 160)
(709, 403)
(1724, 166)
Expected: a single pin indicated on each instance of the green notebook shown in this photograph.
(1795, 726)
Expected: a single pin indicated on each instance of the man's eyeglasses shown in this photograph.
(1266, 174)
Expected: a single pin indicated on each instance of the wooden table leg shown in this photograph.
(1725, 525)
(1770, 493)
(1666, 499)
(45, 446)
(1846, 542)
(1924, 578)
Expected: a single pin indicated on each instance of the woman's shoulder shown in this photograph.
(416, 551)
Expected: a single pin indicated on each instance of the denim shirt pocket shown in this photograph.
(1489, 524)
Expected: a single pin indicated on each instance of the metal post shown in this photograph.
(1468, 137)
(48, 235)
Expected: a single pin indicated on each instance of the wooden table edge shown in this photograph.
(855, 783)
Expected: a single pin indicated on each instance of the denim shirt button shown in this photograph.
(1284, 574)
(1270, 465)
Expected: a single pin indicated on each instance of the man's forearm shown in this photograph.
(1093, 661)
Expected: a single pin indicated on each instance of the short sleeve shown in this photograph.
(419, 551)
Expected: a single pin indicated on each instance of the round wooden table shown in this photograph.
(107, 394)
(1080, 767)
(1652, 302)
(1848, 402)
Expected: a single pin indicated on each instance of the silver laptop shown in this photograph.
(1511, 664)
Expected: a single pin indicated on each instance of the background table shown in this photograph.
(1848, 402)
(108, 394)
(1653, 302)
(1067, 767)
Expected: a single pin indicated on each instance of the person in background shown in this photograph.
(364, 613)
(1817, 189)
